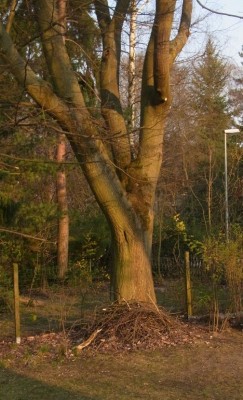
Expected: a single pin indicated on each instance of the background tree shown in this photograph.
(235, 150)
(211, 116)
(61, 185)
(193, 172)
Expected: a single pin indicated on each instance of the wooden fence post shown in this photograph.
(188, 284)
(16, 302)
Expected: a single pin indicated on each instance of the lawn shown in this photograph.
(209, 369)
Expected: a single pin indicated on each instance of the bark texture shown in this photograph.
(63, 217)
(124, 187)
(62, 199)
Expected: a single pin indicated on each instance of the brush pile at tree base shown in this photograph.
(131, 326)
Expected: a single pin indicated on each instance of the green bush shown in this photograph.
(224, 262)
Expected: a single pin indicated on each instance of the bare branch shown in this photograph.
(110, 66)
(37, 161)
(25, 235)
(102, 13)
(59, 65)
(39, 89)
(180, 40)
(218, 12)
(162, 30)
(11, 15)
(120, 12)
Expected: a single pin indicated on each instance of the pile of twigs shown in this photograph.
(129, 326)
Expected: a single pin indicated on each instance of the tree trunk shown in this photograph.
(63, 218)
(210, 189)
(131, 278)
(123, 187)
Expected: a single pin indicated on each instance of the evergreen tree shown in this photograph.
(210, 117)
(192, 176)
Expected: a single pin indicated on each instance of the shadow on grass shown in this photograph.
(15, 386)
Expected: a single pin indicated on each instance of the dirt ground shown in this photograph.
(210, 368)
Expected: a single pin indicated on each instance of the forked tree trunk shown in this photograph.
(123, 187)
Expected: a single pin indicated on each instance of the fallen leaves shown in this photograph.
(116, 328)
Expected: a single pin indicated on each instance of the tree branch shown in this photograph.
(81, 132)
(180, 40)
(11, 15)
(103, 13)
(119, 18)
(120, 12)
(38, 89)
(110, 97)
(25, 235)
(64, 79)
(162, 31)
(218, 12)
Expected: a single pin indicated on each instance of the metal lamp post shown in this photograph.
(232, 131)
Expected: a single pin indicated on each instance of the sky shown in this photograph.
(227, 31)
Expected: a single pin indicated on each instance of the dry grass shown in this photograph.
(208, 369)
(191, 363)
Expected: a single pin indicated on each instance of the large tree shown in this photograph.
(123, 186)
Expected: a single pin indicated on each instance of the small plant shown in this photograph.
(6, 291)
(202, 301)
(80, 274)
(45, 348)
(189, 241)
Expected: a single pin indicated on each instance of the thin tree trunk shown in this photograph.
(160, 241)
(63, 218)
(132, 75)
(11, 15)
(210, 189)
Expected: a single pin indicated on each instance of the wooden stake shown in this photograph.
(188, 284)
(16, 302)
